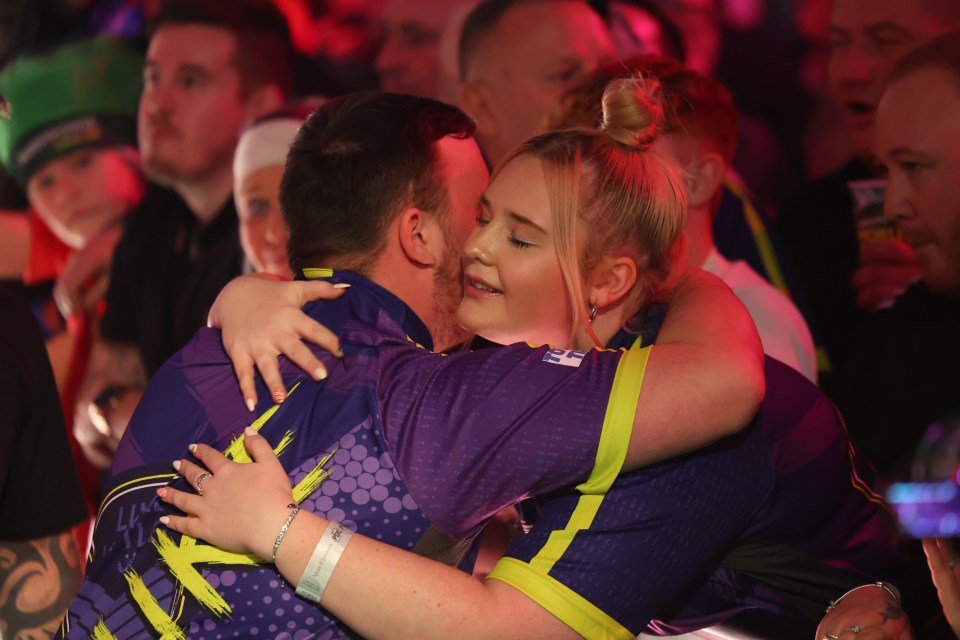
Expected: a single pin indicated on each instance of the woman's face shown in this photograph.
(80, 194)
(263, 231)
(513, 287)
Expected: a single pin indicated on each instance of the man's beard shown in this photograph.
(447, 294)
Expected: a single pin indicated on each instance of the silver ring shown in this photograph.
(200, 479)
(953, 563)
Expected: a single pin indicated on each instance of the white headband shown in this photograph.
(263, 145)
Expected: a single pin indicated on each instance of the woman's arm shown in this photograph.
(378, 590)
(704, 380)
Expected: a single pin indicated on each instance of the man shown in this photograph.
(517, 58)
(210, 69)
(915, 379)
(839, 279)
(40, 494)
(377, 434)
(898, 387)
(414, 56)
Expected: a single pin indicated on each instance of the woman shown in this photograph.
(540, 266)
(257, 168)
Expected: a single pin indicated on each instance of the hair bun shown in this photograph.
(632, 111)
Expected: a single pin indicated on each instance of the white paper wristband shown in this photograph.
(324, 560)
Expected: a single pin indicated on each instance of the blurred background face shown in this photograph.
(918, 141)
(866, 38)
(513, 286)
(409, 57)
(539, 51)
(191, 110)
(81, 193)
(263, 231)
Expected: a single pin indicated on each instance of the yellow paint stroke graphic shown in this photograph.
(100, 632)
(158, 618)
(313, 479)
(180, 566)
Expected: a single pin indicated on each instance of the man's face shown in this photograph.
(409, 59)
(191, 110)
(918, 141)
(866, 38)
(539, 51)
(465, 177)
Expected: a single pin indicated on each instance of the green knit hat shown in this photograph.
(83, 94)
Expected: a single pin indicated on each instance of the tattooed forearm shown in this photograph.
(38, 580)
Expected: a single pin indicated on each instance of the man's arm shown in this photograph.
(114, 382)
(38, 580)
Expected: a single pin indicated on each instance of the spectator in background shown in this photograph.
(40, 496)
(70, 143)
(411, 56)
(902, 371)
(700, 133)
(839, 281)
(517, 58)
(210, 69)
(257, 169)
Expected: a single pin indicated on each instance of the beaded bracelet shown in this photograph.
(283, 529)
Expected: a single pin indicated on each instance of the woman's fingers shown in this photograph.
(258, 448)
(211, 458)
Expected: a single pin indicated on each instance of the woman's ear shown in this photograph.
(704, 176)
(420, 237)
(611, 280)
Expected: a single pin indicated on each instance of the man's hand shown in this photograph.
(943, 561)
(111, 390)
(85, 279)
(887, 269)
(106, 422)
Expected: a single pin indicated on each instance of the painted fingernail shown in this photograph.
(251, 405)
(279, 396)
(341, 285)
(192, 448)
(176, 465)
(249, 431)
(162, 492)
(320, 374)
(339, 352)
(165, 519)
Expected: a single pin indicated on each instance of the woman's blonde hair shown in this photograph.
(607, 182)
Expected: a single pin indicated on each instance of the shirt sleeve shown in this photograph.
(472, 433)
(607, 564)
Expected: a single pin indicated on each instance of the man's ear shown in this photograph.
(704, 176)
(476, 99)
(420, 237)
(611, 279)
(262, 101)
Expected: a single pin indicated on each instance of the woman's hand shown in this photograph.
(870, 613)
(261, 320)
(942, 558)
(240, 507)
